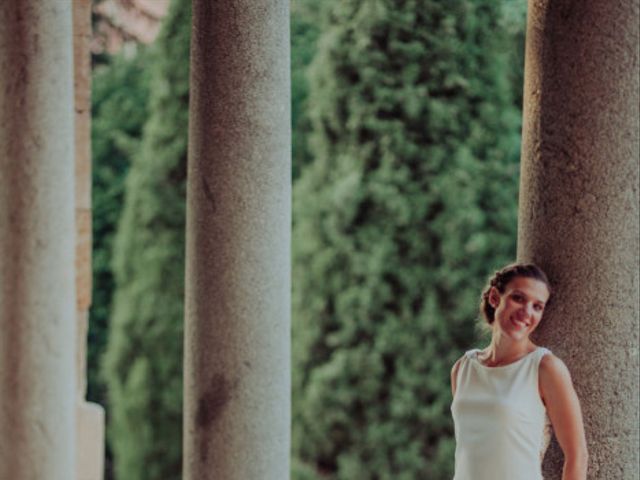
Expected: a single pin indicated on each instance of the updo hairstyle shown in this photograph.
(501, 279)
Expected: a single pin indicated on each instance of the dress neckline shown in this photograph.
(476, 352)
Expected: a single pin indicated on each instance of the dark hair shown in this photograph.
(501, 279)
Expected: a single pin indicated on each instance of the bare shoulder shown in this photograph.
(456, 367)
(454, 374)
(553, 367)
(554, 377)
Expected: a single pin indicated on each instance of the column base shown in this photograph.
(90, 434)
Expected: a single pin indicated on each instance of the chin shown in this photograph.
(520, 335)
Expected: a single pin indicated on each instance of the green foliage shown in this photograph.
(409, 203)
(304, 34)
(119, 109)
(143, 362)
(513, 22)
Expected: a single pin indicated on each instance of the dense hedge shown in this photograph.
(304, 34)
(409, 202)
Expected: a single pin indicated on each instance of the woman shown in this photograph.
(506, 396)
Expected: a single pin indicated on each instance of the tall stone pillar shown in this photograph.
(579, 211)
(237, 332)
(89, 416)
(37, 242)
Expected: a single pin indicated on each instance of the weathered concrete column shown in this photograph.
(89, 416)
(37, 242)
(579, 211)
(237, 335)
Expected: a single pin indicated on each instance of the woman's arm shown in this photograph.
(563, 407)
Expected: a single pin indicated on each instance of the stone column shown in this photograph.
(89, 416)
(37, 294)
(237, 333)
(579, 211)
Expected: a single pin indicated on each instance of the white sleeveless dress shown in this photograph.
(501, 425)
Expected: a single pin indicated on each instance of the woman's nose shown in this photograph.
(526, 311)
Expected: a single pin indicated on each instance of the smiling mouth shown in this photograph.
(520, 323)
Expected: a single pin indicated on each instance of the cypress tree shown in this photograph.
(143, 362)
(409, 203)
(119, 110)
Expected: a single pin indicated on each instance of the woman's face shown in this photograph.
(519, 309)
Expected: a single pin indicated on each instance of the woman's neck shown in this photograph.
(503, 350)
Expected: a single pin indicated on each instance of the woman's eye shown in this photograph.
(538, 308)
(517, 298)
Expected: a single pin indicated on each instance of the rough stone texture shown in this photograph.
(82, 108)
(37, 288)
(237, 338)
(89, 416)
(579, 211)
(83, 257)
(82, 101)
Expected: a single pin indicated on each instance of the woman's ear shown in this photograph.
(494, 297)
